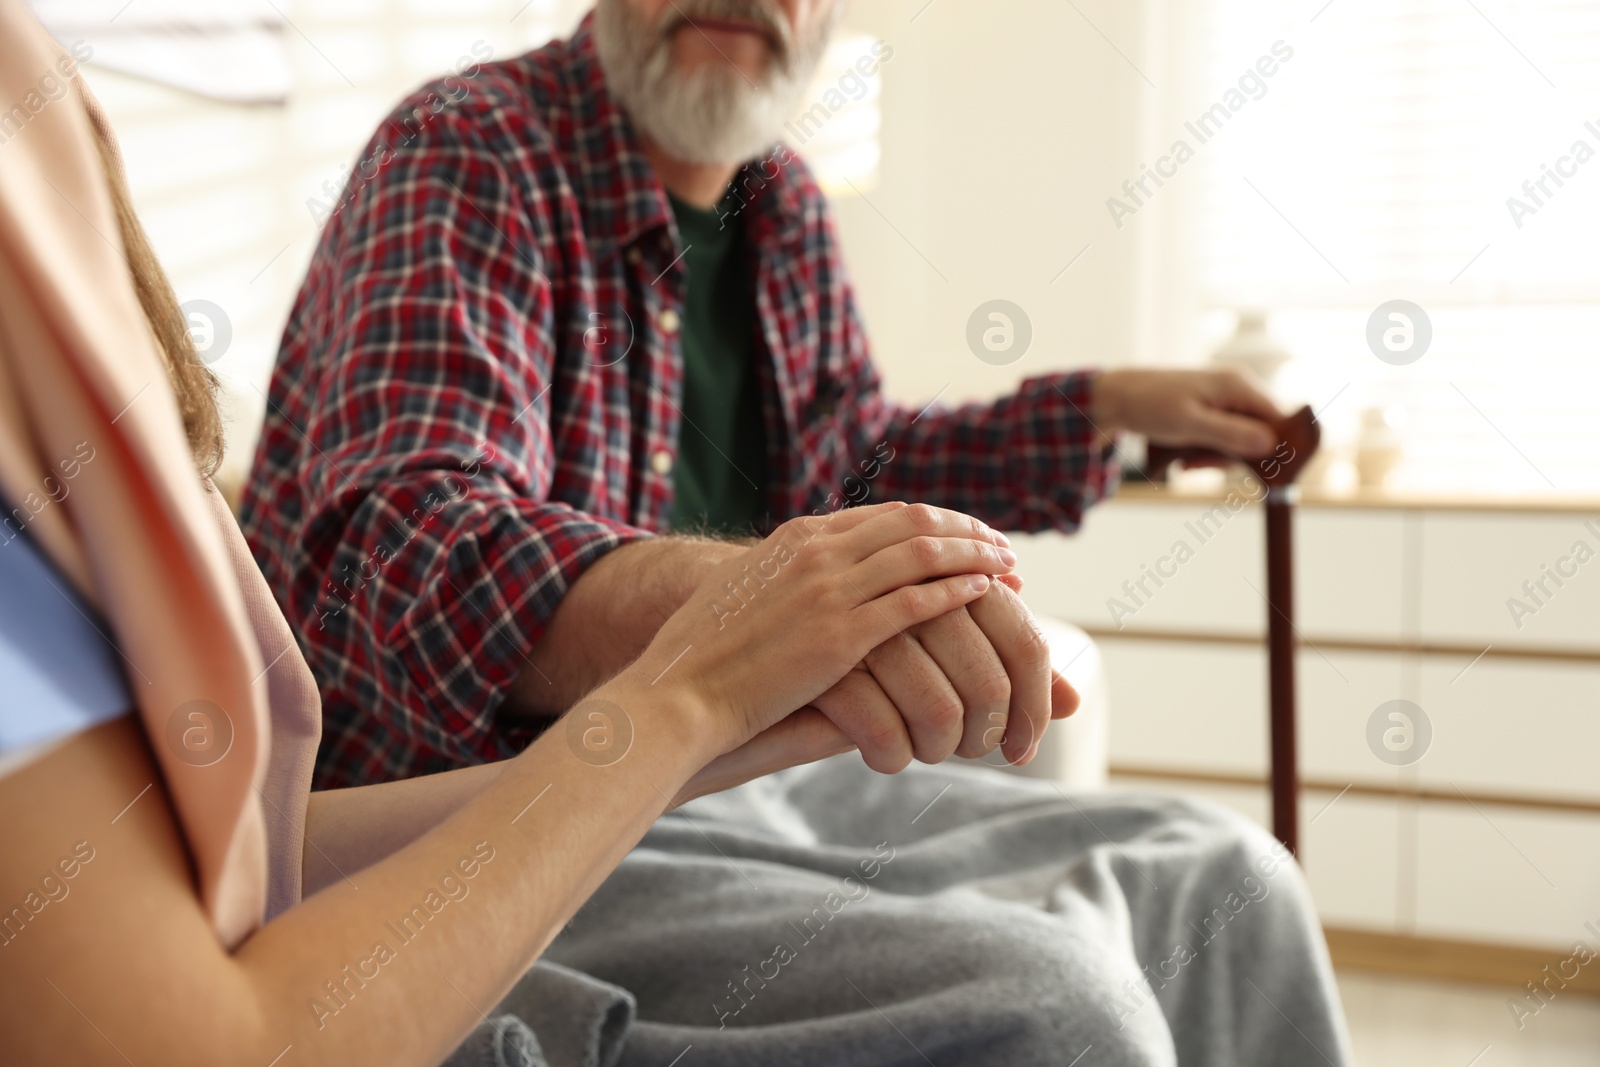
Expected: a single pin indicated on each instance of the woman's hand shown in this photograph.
(777, 625)
(804, 737)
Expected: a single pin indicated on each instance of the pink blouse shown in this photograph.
(140, 536)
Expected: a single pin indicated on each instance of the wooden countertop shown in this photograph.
(1378, 499)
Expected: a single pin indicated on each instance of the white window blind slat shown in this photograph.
(223, 188)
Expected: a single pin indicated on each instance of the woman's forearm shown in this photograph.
(395, 964)
(392, 966)
(505, 872)
(348, 830)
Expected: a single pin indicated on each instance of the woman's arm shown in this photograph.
(392, 966)
(117, 963)
(348, 830)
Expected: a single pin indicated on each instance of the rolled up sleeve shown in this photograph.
(433, 554)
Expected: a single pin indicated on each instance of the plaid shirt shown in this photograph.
(478, 396)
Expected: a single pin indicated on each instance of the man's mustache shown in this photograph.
(757, 13)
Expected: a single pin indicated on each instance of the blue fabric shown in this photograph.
(59, 673)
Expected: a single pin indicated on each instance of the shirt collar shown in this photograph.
(622, 198)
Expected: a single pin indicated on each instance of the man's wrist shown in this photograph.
(708, 555)
(685, 563)
(608, 617)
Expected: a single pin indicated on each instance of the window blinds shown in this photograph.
(231, 193)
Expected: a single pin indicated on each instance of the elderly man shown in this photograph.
(577, 311)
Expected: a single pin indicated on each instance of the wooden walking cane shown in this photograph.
(1298, 436)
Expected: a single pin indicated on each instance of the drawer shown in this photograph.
(1187, 705)
(1197, 567)
(1474, 567)
(1349, 578)
(1509, 725)
(1354, 858)
(1534, 877)
(1124, 569)
(1338, 693)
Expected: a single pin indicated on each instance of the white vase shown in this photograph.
(1380, 446)
(1253, 349)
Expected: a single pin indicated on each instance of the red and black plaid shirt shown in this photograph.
(453, 431)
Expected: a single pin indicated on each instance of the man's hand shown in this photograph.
(963, 684)
(966, 683)
(1216, 409)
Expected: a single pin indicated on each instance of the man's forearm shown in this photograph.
(1030, 461)
(608, 617)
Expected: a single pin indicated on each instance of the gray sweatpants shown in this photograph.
(954, 915)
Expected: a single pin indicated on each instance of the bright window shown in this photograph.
(1386, 158)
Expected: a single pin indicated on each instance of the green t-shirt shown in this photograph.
(721, 471)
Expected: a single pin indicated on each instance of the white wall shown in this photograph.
(1006, 124)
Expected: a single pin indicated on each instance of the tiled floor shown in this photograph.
(1402, 1023)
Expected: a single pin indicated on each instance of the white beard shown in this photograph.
(713, 115)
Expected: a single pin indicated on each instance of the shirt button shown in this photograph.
(668, 321)
(633, 256)
(661, 462)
